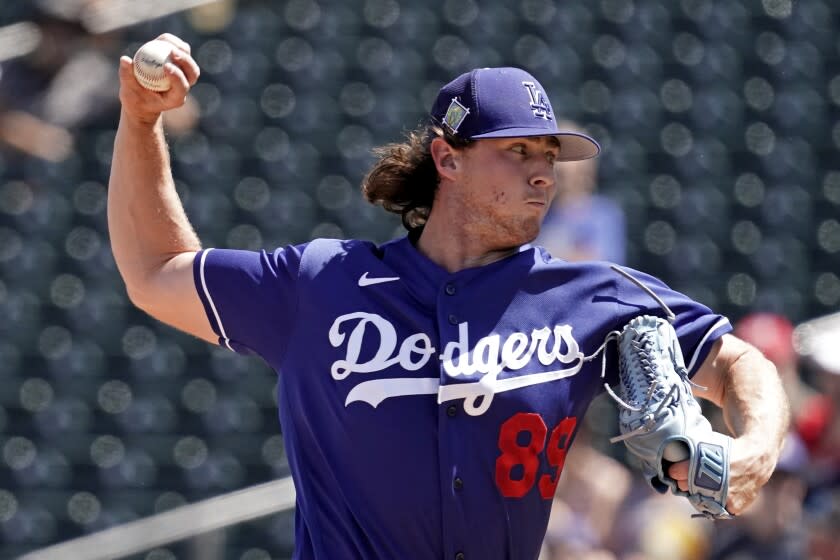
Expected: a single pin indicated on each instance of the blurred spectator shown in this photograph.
(818, 424)
(583, 514)
(773, 335)
(183, 120)
(66, 81)
(819, 421)
(581, 224)
(824, 538)
(653, 526)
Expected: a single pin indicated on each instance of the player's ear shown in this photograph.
(446, 158)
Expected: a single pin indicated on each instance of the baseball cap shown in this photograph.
(505, 103)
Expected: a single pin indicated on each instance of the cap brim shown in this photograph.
(574, 146)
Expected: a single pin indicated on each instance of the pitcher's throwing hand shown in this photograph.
(145, 105)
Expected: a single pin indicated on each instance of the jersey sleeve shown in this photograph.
(697, 326)
(250, 297)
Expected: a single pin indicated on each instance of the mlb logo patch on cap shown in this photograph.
(455, 115)
(505, 103)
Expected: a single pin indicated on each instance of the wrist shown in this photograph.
(141, 120)
(760, 452)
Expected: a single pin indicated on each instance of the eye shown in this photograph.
(551, 157)
(519, 149)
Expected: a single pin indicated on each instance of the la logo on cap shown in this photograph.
(455, 115)
(539, 105)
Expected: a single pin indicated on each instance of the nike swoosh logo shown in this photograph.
(365, 281)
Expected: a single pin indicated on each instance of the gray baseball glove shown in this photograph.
(661, 423)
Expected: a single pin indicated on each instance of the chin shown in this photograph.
(530, 230)
(514, 232)
(527, 233)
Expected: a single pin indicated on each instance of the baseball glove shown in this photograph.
(660, 421)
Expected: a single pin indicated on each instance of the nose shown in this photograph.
(543, 176)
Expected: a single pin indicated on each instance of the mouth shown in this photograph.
(536, 197)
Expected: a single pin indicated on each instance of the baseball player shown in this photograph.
(430, 387)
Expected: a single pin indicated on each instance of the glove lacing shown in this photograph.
(637, 394)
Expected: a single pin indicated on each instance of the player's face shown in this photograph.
(507, 186)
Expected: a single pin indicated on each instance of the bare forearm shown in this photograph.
(739, 379)
(736, 377)
(146, 220)
(754, 403)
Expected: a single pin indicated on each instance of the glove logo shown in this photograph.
(710, 466)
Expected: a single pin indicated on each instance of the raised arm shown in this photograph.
(151, 238)
(747, 387)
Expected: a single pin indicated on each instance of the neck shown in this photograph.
(452, 244)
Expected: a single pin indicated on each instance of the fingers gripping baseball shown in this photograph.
(182, 59)
(179, 73)
(176, 41)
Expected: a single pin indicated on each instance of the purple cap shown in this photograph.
(505, 103)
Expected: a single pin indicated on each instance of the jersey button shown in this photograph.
(457, 483)
(460, 556)
(450, 289)
(453, 320)
(451, 410)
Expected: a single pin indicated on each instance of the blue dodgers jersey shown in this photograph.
(427, 414)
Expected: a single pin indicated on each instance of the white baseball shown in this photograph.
(148, 65)
(675, 452)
